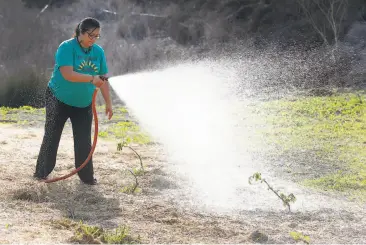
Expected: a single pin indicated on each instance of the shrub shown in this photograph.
(26, 53)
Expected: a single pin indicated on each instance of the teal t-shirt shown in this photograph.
(70, 53)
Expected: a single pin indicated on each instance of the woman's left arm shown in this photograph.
(107, 98)
(105, 87)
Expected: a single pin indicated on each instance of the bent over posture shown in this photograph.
(78, 64)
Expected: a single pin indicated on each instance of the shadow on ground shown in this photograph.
(75, 200)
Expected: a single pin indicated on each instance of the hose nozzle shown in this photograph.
(104, 78)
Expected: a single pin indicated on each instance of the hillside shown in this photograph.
(321, 36)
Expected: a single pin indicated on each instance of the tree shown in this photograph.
(326, 16)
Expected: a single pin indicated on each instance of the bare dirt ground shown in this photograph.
(29, 210)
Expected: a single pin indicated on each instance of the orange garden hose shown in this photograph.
(92, 148)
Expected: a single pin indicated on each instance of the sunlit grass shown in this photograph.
(121, 127)
(21, 115)
(124, 129)
(333, 128)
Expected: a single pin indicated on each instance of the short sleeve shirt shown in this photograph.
(86, 61)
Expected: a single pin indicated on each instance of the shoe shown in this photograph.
(93, 182)
(39, 178)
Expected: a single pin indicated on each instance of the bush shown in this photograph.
(144, 34)
(26, 55)
(27, 87)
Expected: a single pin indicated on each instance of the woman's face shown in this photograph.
(90, 37)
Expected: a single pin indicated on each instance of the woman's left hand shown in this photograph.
(109, 110)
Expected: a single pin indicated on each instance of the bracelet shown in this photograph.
(91, 81)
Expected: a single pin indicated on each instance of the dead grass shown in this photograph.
(30, 194)
(69, 211)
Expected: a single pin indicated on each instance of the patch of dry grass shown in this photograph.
(51, 213)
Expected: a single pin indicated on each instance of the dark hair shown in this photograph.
(86, 24)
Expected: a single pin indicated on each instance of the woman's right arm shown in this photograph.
(72, 76)
(65, 61)
(69, 74)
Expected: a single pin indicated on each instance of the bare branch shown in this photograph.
(109, 12)
(333, 11)
(149, 15)
(311, 20)
(242, 6)
(44, 8)
(286, 199)
(124, 144)
(280, 197)
(142, 166)
(136, 182)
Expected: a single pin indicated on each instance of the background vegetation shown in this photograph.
(313, 42)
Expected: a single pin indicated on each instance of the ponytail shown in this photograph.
(77, 30)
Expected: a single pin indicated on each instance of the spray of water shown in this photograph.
(189, 109)
(194, 111)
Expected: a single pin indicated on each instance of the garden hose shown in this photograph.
(95, 115)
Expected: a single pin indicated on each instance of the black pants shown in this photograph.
(57, 114)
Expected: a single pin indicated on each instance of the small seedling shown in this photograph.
(125, 144)
(286, 199)
(88, 234)
(132, 188)
(120, 236)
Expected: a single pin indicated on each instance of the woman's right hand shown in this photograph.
(97, 81)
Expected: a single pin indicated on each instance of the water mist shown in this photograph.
(194, 111)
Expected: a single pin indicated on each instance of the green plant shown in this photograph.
(297, 236)
(124, 144)
(131, 189)
(4, 111)
(129, 132)
(286, 199)
(138, 171)
(27, 108)
(103, 134)
(20, 115)
(119, 236)
(87, 234)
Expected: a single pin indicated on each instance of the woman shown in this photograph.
(79, 63)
